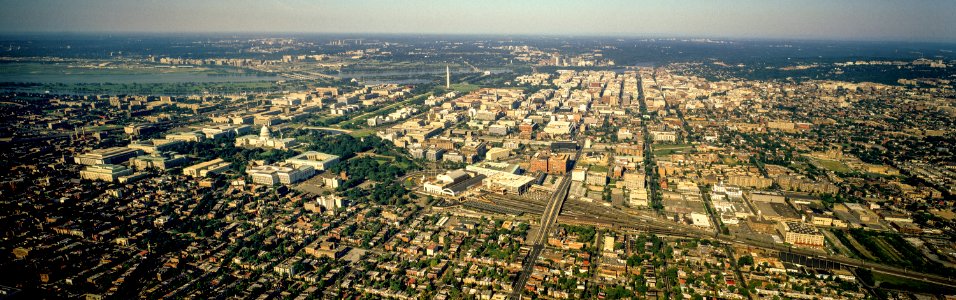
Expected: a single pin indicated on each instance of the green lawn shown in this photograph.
(671, 146)
(667, 152)
(834, 166)
(668, 149)
(464, 87)
(361, 120)
(598, 169)
(363, 132)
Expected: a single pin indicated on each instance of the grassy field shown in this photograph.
(363, 132)
(833, 165)
(598, 169)
(361, 120)
(464, 87)
(668, 149)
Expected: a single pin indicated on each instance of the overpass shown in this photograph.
(548, 219)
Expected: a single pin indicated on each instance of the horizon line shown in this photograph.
(655, 36)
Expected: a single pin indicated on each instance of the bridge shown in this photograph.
(548, 219)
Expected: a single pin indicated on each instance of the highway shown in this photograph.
(548, 219)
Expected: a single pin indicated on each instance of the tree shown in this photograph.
(634, 260)
(745, 260)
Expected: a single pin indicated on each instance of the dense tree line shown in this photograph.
(391, 193)
(346, 146)
(384, 165)
(362, 168)
(240, 157)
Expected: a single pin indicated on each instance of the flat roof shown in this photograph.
(207, 164)
(314, 156)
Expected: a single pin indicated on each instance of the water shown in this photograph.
(131, 78)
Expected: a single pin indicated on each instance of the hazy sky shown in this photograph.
(909, 20)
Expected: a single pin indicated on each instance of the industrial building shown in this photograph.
(452, 183)
(801, 234)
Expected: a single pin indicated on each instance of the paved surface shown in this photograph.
(548, 218)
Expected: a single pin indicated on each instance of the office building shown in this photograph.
(208, 168)
(160, 161)
(276, 174)
(155, 145)
(317, 160)
(115, 155)
(105, 172)
(265, 140)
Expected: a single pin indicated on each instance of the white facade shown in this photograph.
(104, 172)
(270, 174)
(700, 220)
(204, 169)
(664, 136)
(579, 174)
(319, 161)
(638, 198)
(265, 140)
(113, 155)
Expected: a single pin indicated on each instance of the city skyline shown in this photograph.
(924, 21)
(494, 150)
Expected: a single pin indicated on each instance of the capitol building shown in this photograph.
(265, 140)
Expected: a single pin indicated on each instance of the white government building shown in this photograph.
(318, 160)
(265, 140)
(270, 174)
(105, 172)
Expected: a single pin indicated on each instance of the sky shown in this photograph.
(869, 20)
